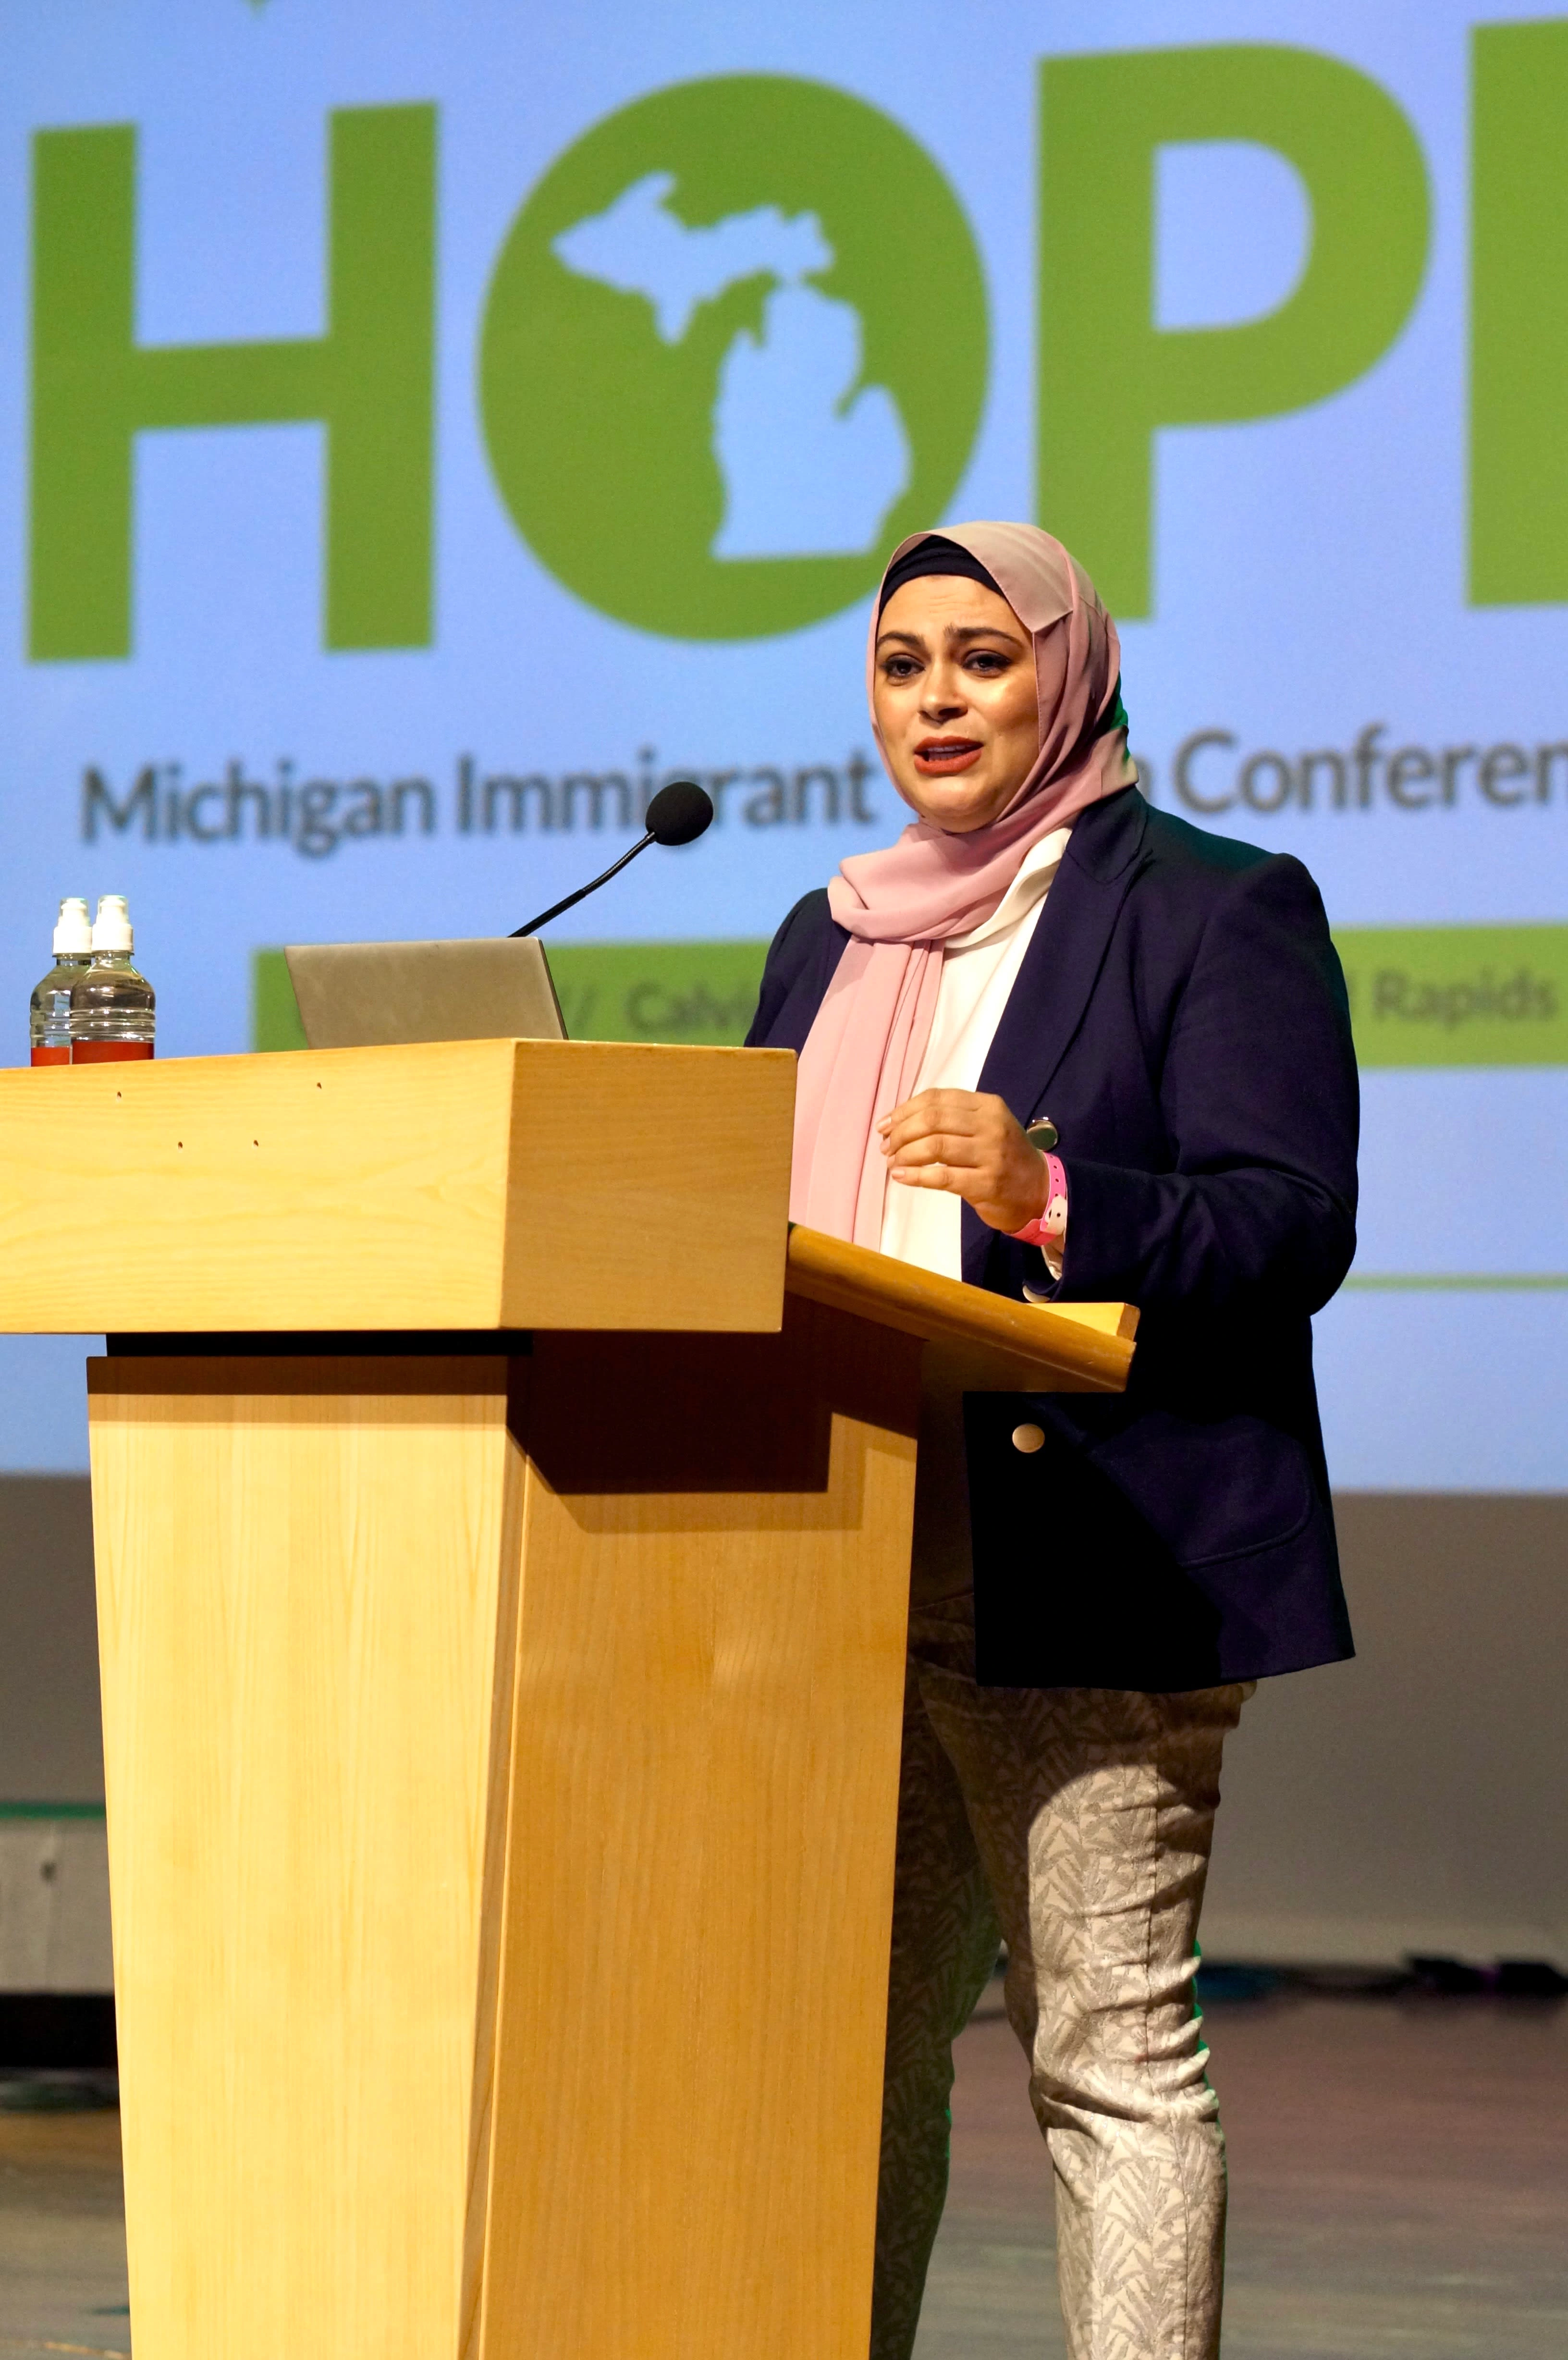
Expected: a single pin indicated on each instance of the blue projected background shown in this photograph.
(593, 361)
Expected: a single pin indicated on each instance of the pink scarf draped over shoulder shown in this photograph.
(901, 906)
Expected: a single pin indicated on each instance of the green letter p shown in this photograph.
(1109, 377)
(368, 379)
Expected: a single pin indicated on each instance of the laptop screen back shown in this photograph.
(373, 995)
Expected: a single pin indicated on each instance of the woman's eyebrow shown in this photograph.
(909, 640)
(983, 631)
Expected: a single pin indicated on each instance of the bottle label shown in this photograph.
(45, 1053)
(108, 1052)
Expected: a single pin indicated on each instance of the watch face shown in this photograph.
(1042, 1133)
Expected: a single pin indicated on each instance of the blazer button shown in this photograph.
(1029, 1438)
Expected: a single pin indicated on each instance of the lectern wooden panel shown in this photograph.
(689, 2069)
(307, 1584)
(467, 1184)
(501, 1819)
(501, 1731)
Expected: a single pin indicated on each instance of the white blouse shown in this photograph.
(978, 972)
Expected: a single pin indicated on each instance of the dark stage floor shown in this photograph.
(62, 2235)
(1398, 2179)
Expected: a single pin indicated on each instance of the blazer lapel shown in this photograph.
(1059, 968)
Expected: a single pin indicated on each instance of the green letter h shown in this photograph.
(368, 380)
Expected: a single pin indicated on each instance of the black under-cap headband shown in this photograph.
(935, 555)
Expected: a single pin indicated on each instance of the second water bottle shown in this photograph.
(112, 1004)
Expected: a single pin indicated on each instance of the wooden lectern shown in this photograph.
(503, 1531)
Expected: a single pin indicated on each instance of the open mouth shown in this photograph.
(939, 757)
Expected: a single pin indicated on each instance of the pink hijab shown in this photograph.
(902, 904)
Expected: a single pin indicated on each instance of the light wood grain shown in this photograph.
(501, 1758)
(305, 1579)
(698, 1896)
(1013, 1346)
(465, 1184)
(650, 1189)
(1105, 1319)
(501, 1811)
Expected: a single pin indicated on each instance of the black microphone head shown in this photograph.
(678, 812)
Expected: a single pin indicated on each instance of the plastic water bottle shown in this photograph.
(111, 1003)
(49, 1010)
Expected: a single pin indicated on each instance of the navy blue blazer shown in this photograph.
(1180, 1015)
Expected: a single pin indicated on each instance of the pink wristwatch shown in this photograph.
(1049, 1232)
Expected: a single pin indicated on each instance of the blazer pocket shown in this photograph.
(1211, 1489)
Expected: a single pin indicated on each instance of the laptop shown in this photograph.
(374, 995)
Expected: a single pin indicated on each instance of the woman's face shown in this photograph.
(955, 700)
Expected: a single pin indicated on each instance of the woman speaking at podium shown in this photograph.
(1067, 1047)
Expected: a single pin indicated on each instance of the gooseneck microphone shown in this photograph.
(678, 815)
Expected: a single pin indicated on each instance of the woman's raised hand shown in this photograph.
(971, 1144)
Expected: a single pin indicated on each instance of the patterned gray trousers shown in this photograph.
(1076, 1823)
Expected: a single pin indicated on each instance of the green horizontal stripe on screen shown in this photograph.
(1420, 996)
(697, 992)
(1459, 1282)
(703, 992)
(1457, 994)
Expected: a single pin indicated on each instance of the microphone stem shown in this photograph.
(584, 891)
